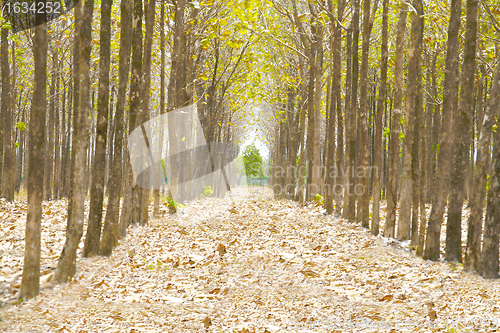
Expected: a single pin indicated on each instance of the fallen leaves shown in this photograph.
(267, 266)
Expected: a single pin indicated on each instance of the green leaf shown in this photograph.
(21, 126)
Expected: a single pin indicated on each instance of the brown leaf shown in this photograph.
(207, 321)
(386, 298)
(310, 273)
(221, 249)
(432, 314)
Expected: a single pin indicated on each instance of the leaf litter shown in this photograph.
(249, 264)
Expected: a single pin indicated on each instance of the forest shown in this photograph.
(373, 118)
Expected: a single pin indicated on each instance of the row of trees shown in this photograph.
(407, 117)
(72, 90)
(362, 114)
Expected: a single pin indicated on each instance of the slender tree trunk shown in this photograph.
(392, 187)
(6, 106)
(316, 136)
(49, 146)
(351, 129)
(378, 121)
(432, 246)
(93, 237)
(489, 261)
(156, 209)
(405, 211)
(132, 215)
(310, 118)
(112, 229)
(66, 266)
(364, 163)
(302, 136)
(57, 142)
(475, 223)
(30, 285)
(330, 130)
(453, 250)
(337, 69)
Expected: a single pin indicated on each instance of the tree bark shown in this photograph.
(475, 223)
(112, 228)
(405, 210)
(432, 246)
(489, 253)
(156, 194)
(378, 121)
(6, 105)
(453, 249)
(49, 146)
(392, 187)
(66, 266)
(93, 237)
(30, 285)
(351, 129)
(364, 163)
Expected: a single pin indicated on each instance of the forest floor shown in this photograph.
(245, 264)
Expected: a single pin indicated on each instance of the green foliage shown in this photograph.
(21, 126)
(207, 191)
(319, 199)
(387, 132)
(253, 161)
(172, 203)
(488, 177)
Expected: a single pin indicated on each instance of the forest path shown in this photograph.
(257, 265)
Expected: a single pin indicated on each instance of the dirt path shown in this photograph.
(259, 265)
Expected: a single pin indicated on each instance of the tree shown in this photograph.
(112, 228)
(350, 198)
(30, 285)
(364, 198)
(475, 223)
(6, 106)
(377, 156)
(489, 253)
(252, 161)
(392, 187)
(405, 211)
(431, 250)
(93, 237)
(453, 250)
(66, 266)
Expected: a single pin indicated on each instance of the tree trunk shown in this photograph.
(146, 87)
(432, 246)
(378, 121)
(489, 255)
(93, 237)
(405, 211)
(392, 187)
(66, 266)
(364, 197)
(30, 285)
(350, 185)
(475, 223)
(57, 142)
(337, 69)
(6, 105)
(112, 229)
(453, 251)
(316, 135)
(49, 146)
(156, 209)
